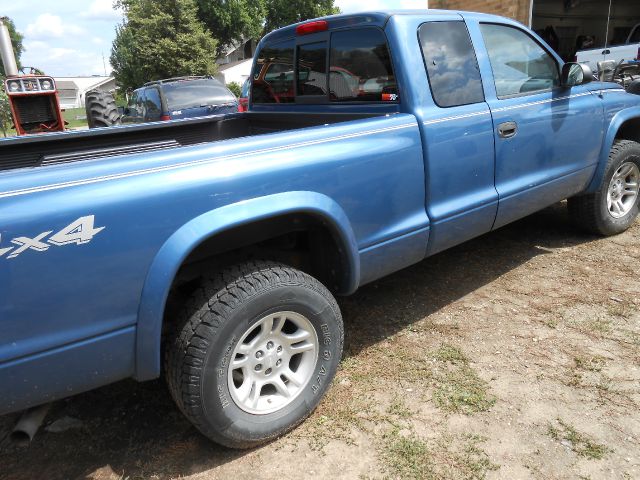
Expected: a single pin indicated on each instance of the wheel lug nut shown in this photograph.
(267, 371)
(278, 363)
(258, 367)
(279, 350)
(259, 354)
(269, 345)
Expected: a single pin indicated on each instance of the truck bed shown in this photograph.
(72, 146)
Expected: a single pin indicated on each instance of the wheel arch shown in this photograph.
(190, 236)
(625, 125)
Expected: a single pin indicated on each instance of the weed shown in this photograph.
(580, 443)
(448, 457)
(451, 354)
(620, 309)
(592, 364)
(462, 391)
(399, 409)
(601, 325)
(408, 457)
(459, 389)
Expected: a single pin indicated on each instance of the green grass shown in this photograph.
(70, 115)
(580, 443)
(451, 354)
(407, 456)
(399, 409)
(592, 364)
(458, 388)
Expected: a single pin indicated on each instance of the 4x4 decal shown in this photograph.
(77, 232)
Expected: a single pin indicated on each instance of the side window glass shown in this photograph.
(519, 63)
(140, 103)
(451, 63)
(273, 76)
(132, 102)
(152, 104)
(360, 67)
(312, 69)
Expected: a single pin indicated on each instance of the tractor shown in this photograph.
(33, 99)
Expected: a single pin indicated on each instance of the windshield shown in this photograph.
(196, 93)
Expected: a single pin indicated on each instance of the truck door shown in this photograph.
(547, 137)
(457, 137)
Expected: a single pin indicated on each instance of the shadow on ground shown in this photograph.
(135, 431)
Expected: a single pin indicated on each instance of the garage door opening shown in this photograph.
(572, 25)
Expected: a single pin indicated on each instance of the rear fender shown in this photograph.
(176, 249)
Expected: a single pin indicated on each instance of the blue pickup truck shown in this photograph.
(208, 250)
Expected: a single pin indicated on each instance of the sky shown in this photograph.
(73, 37)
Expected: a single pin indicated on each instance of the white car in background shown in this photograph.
(630, 51)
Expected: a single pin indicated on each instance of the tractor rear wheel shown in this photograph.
(101, 109)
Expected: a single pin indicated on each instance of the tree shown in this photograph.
(16, 40)
(6, 121)
(281, 13)
(160, 39)
(231, 21)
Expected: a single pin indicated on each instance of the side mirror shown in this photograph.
(575, 74)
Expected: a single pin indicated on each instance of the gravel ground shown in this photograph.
(516, 355)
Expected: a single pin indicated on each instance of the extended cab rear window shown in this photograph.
(348, 66)
(452, 68)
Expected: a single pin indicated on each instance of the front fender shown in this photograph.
(179, 245)
(614, 126)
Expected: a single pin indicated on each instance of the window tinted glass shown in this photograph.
(360, 67)
(152, 104)
(312, 69)
(451, 63)
(245, 88)
(273, 75)
(196, 93)
(133, 99)
(635, 37)
(519, 64)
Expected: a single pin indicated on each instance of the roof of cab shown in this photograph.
(374, 18)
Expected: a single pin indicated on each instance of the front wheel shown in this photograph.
(255, 351)
(613, 207)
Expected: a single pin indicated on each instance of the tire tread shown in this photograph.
(584, 209)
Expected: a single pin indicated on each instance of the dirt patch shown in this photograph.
(516, 355)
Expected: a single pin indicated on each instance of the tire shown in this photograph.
(593, 212)
(229, 314)
(634, 87)
(101, 109)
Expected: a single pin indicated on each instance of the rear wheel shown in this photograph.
(614, 206)
(101, 109)
(254, 352)
(634, 87)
